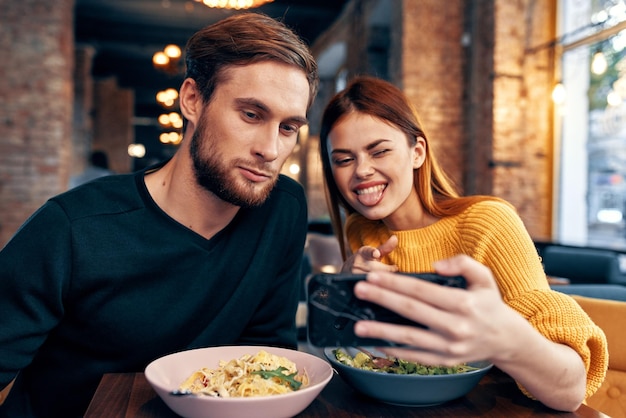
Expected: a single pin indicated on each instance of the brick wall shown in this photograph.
(432, 75)
(82, 127)
(113, 129)
(522, 118)
(479, 53)
(35, 121)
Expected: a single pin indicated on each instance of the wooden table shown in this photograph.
(130, 395)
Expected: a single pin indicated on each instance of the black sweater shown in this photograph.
(101, 280)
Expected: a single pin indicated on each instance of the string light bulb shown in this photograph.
(233, 4)
(167, 97)
(168, 59)
(598, 63)
(613, 98)
(558, 93)
(160, 59)
(172, 51)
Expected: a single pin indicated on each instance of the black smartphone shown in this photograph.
(333, 309)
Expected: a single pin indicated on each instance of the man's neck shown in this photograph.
(174, 189)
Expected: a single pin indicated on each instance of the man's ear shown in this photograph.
(190, 101)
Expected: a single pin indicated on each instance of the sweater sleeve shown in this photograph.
(496, 236)
(560, 319)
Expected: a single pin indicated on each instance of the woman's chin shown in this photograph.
(374, 214)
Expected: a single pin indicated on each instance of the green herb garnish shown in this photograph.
(278, 373)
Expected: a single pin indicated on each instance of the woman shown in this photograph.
(402, 214)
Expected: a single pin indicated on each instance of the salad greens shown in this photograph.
(395, 366)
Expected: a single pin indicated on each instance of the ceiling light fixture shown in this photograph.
(234, 4)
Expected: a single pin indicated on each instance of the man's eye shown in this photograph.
(289, 129)
(250, 115)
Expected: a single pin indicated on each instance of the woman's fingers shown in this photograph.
(369, 253)
(475, 273)
(388, 246)
(368, 258)
(461, 324)
(456, 314)
(393, 285)
(423, 302)
(423, 345)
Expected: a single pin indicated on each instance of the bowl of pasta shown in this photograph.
(400, 382)
(238, 381)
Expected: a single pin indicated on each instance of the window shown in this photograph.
(592, 123)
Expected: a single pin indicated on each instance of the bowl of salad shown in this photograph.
(400, 382)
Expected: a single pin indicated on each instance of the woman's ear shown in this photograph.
(190, 101)
(419, 152)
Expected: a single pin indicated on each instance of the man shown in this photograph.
(204, 250)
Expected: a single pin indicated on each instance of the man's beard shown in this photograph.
(212, 174)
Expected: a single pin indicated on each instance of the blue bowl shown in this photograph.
(405, 389)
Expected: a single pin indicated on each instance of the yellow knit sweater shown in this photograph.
(492, 233)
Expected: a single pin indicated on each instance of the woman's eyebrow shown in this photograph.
(375, 143)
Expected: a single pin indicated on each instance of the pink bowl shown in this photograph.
(167, 373)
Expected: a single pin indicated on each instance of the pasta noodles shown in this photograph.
(261, 374)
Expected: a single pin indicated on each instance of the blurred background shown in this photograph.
(139, 44)
(523, 100)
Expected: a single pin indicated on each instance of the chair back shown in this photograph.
(324, 253)
(610, 316)
(581, 265)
